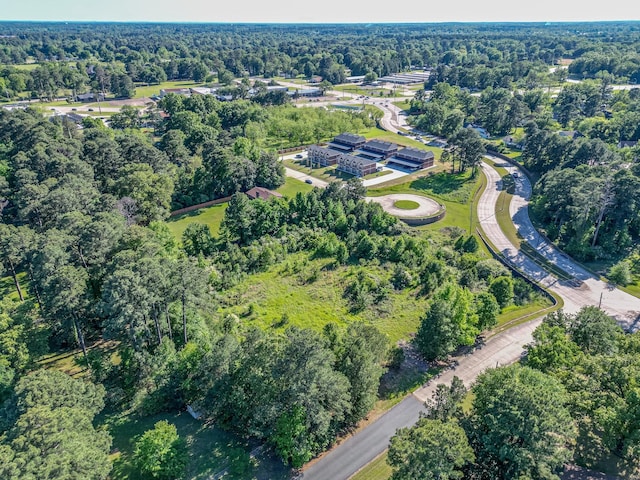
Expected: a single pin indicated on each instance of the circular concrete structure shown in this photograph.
(426, 206)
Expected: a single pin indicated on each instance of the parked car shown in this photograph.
(299, 155)
(308, 181)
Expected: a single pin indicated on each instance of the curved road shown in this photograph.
(357, 451)
(347, 458)
(586, 289)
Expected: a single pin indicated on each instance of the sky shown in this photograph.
(320, 11)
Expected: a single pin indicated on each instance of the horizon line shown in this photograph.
(432, 22)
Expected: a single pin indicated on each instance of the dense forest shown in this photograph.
(91, 260)
(93, 271)
(111, 57)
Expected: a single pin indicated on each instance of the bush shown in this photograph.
(401, 278)
(620, 273)
(396, 358)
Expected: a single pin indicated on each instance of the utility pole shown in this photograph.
(600, 302)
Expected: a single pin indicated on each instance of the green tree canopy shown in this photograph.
(161, 453)
(521, 422)
(430, 450)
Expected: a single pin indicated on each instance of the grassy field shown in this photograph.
(23, 66)
(292, 186)
(328, 174)
(210, 449)
(514, 312)
(212, 216)
(149, 90)
(406, 204)
(404, 105)
(458, 187)
(311, 295)
(8, 287)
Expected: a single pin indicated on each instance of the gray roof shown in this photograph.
(350, 139)
(409, 153)
(367, 154)
(329, 151)
(337, 146)
(381, 145)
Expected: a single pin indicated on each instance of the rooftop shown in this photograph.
(357, 160)
(262, 193)
(410, 153)
(381, 145)
(349, 138)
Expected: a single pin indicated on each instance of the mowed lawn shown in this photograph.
(211, 216)
(150, 90)
(379, 469)
(457, 192)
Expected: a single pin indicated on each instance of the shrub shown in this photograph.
(620, 273)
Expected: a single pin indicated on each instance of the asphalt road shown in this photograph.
(349, 457)
(316, 182)
(357, 451)
(585, 289)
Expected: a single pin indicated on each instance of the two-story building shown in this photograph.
(412, 159)
(322, 156)
(358, 166)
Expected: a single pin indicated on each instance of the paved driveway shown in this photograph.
(385, 178)
(426, 206)
(316, 182)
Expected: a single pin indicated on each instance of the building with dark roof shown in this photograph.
(357, 166)
(261, 193)
(322, 156)
(378, 157)
(381, 147)
(347, 142)
(413, 158)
